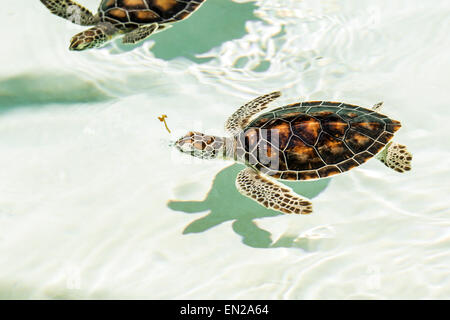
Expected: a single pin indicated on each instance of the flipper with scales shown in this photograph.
(270, 193)
(71, 11)
(241, 117)
(140, 34)
(395, 156)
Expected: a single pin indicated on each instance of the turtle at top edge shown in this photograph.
(135, 20)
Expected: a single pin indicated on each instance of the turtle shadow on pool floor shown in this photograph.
(36, 89)
(216, 22)
(225, 203)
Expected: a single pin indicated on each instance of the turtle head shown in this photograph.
(94, 37)
(201, 146)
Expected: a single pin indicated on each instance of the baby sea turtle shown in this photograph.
(135, 19)
(300, 141)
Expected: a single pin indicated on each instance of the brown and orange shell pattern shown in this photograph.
(314, 139)
(130, 14)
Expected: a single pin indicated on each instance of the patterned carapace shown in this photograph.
(129, 14)
(314, 139)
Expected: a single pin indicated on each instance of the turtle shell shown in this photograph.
(129, 14)
(314, 139)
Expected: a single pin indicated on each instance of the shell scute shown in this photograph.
(328, 171)
(369, 126)
(290, 115)
(334, 125)
(379, 116)
(357, 142)
(385, 137)
(310, 103)
(363, 157)
(375, 148)
(300, 156)
(348, 115)
(275, 175)
(278, 133)
(289, 175)
(146, 11)
(132, 4)
(270, 156)
(393, 126)
(308, 175)
(321, 111)
(331, 103)
(261, 121)
(143, 16)
(347, 165)
(118, 14)
(349, 106)
(307, 128)
(251, 139)
(332, 150)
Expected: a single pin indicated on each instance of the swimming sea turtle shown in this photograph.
(300, 141)
(136, 19)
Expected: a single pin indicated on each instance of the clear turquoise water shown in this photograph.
(95, 204)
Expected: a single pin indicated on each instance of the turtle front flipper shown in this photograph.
(140, 34)
(71, 11)
(396, 157)
(270, 193)
(241, 117)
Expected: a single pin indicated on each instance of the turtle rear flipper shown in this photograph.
(271, 194)
(396, 157)
(71, 11)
